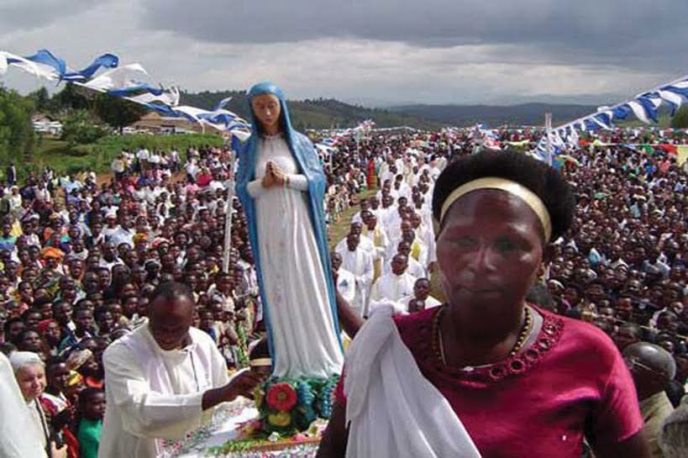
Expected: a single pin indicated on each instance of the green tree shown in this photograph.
(116, 112)
(71, 98)
(41, 99)
(17, 137)
(80, 129)
(680, 120)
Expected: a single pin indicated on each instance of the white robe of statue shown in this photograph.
(298, 309)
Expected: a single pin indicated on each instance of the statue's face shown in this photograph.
(266, 109)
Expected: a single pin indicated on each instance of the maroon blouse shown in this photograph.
(569, 384)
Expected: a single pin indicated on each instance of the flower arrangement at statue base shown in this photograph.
(293, 414)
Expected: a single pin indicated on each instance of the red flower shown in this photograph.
(281, 396)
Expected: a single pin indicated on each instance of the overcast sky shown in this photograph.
(379, 52)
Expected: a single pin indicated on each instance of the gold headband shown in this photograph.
(261, 362)
(517, 189)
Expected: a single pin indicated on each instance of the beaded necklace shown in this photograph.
(518, 346)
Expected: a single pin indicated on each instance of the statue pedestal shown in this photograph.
(287, 418)
(289, 406)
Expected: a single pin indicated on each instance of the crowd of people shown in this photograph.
(81, 256)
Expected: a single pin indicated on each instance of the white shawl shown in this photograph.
(391, 409)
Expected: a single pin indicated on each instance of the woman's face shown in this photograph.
(489, 251)
(266, 109)
(31, 381)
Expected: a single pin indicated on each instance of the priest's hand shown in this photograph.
(242, 384)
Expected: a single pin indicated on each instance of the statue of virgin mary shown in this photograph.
(281, 186)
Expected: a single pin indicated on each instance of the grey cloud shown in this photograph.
(641, 32)
(32, 14)
(397, 51)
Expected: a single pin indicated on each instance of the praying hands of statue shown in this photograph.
(273, 176)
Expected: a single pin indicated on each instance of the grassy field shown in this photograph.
(65, 158)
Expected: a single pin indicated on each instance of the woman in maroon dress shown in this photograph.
(487, 374)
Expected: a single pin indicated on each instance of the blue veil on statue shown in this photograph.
(308, 163)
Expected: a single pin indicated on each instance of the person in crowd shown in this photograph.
(29, 371)
(359, 262)
(163, 378)
(421, 297)
(16, 441)
(345, 280)
(90, 423)
(652, 368)
(395, 285)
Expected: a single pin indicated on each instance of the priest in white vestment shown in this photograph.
(377, 234)
(393, 286)
(359, 261)
(421, 294)
(358, 216)
(415, 268)
(426, 236)
(346, 283)
(366, 242)
(163, 379)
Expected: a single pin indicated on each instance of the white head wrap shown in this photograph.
(20, 359)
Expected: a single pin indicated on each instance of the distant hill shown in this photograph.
(331, 113)
(527, 114)
(314, 114)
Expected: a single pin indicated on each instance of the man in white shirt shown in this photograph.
(419, 251)
(366, 243)
(163, 379)
(359, 261)
(387, 207)
(400, 187)
(394, 285)
(374, 231)
(387, 171)
(143, 155)
(358, 217)
(109, 258)
(425, 236)
(192, 170)
(394, 220)
(415, 268)
(421, 298)
(124, 233)
(118, 166)
(346, 283)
